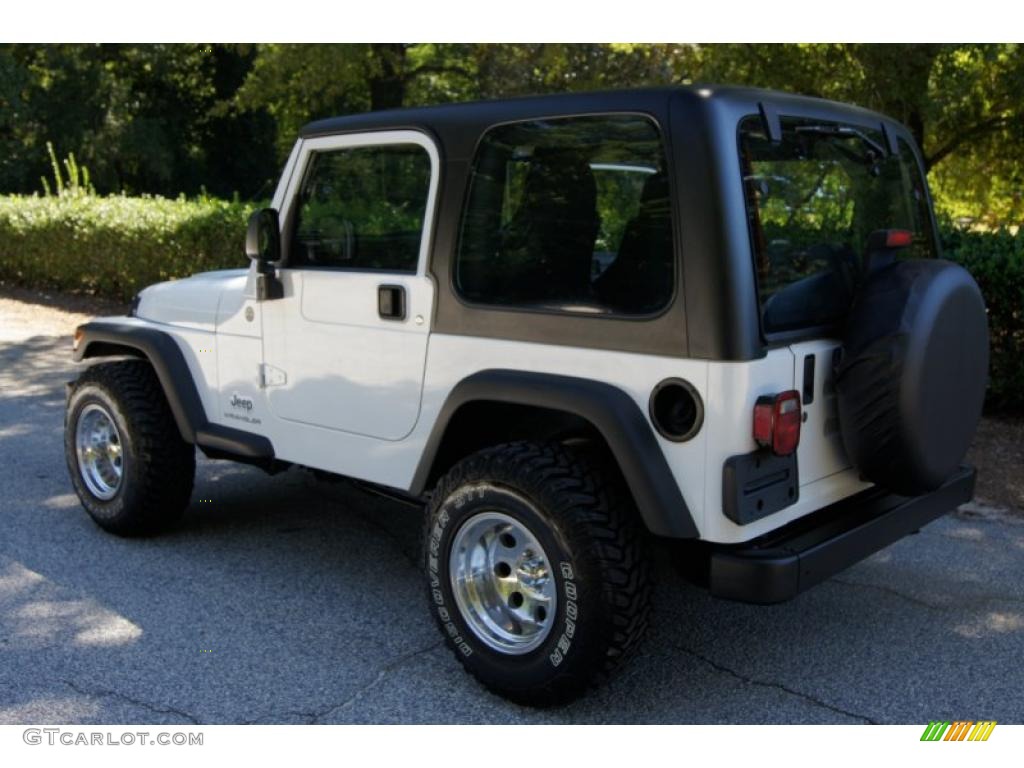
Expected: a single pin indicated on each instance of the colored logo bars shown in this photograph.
(961, 730)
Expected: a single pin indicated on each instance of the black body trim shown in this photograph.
(791, 559)
(758, 484)
(610, 410)
(164, 354)
(226, 441)
(698, 408)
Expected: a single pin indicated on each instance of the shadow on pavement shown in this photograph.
(285, 599)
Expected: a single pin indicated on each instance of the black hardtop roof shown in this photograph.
(477, 113)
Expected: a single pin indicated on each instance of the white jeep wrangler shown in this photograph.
(565, 325)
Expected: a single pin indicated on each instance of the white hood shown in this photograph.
(191, 302)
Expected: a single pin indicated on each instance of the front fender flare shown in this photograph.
(101, 339)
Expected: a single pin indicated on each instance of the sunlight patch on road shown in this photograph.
(15, 430)
(16, 578)
(967, 533)
(49, 709)
(992, 623)
(63, 501)
(34, 613)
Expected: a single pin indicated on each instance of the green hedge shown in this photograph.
(114, 246)
(996, 260)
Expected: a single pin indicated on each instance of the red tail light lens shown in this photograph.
(777, 422)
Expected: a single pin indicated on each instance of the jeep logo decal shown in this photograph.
(244, 403)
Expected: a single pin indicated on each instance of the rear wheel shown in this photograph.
(539, 575)
(129, 465)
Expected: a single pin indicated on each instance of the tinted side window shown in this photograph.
(362, 208)
(569, 214)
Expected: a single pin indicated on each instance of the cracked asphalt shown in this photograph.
(288, 600)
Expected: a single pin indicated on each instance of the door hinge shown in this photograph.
(271, 376)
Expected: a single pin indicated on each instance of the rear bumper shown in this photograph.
(785, 562)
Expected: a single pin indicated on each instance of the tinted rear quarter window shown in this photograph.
(569, 214)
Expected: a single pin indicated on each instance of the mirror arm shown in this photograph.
(268, 286)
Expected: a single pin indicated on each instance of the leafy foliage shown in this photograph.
(169, 119)
(165, 120)
(996, 260)
(115, 246)
(144, 118)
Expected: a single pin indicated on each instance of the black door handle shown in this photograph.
(391, 302)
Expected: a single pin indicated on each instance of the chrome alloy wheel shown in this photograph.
(503, 583)
(98, 445)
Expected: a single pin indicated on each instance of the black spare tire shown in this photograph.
(912, 375)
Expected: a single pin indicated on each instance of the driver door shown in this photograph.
(345, 349)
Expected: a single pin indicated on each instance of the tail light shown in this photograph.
(777, 422)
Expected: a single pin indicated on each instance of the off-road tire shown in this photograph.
(587, 525)
(158, 465)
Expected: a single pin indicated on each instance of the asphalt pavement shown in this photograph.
(290, 600)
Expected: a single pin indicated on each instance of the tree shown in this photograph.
(961, 102)
(143, 118)
(179, 118)
(14, 163)
(299, 83)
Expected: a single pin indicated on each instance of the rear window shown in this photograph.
(813, 202)
(571, 215)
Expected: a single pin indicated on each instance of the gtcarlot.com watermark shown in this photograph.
(77, 738)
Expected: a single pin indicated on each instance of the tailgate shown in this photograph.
(821, 450)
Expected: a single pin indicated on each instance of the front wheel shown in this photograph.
(538, 574)
(129, 465)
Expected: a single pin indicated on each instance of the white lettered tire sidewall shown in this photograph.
(564, 650)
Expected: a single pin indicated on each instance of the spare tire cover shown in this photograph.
(911, 378)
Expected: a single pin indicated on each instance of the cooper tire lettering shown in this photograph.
(593, 548)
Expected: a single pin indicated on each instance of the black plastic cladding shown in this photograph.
(100, 340)
(608, 409)
(714, 314)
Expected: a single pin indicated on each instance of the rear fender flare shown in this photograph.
(610, 410)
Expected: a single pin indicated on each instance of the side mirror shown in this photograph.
(263, 237)
(263, 245)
